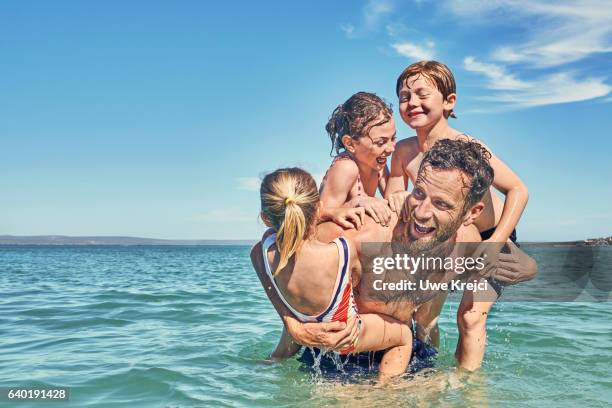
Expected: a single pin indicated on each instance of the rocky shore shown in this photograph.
(598, 241)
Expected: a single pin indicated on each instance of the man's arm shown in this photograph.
(323, 335)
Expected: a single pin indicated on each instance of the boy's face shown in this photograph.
(421, 104)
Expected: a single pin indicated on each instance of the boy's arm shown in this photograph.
(508, 183)
(397, 186)
(517, 195)
(398, 179)
(322, 335)
(383, 180)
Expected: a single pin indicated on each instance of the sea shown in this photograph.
(190, 326)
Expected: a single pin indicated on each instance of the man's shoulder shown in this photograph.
(371, 231)
(468, 234)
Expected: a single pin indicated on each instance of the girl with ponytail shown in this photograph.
(315, 279)
(362, 133)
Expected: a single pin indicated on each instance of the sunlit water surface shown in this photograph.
(191, 326)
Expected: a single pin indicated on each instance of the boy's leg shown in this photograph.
(426, 320)
(472, 323)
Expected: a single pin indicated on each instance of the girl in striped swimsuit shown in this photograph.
(315, 279)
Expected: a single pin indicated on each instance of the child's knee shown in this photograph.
(471, 321)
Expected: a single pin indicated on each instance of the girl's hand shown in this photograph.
(397, 200)
(377, 208)
(347, 217)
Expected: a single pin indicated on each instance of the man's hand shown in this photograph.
(377, 208)
(489, 252)
(334, 336)
(515, 267)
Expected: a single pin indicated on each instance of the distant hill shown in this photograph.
(93, 240)
(67, 240)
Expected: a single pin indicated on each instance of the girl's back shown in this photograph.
(309, 279)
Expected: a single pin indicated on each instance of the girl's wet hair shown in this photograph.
(289, 199)
(435, 72)
(355, 117)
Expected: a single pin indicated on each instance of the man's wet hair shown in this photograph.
(466, 155)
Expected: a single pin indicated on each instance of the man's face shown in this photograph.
(436, 207)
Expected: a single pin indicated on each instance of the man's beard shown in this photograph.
(414, 245)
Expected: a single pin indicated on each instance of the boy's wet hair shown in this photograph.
(436, 72)
(355, 117)
(466, 155)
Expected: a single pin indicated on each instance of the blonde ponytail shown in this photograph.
(289, 199)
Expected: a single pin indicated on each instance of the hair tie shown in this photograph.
(289, 200)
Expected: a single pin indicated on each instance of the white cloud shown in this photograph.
(566, 31)
(557, 34)
(395, 29)
(561, 87)
(249, 183)
(499, 78)
(415, 51)
(375, 11)
(373, 15)
(348, 29)
(224, 215)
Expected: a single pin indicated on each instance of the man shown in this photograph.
(453, 178)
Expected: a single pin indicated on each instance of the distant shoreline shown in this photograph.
(11, 240)
(114, 240)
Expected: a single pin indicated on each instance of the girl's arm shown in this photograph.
(339, 180)
(507, 182)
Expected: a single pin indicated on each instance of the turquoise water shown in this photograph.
(191, 326)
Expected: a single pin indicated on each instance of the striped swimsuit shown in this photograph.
(342, 304)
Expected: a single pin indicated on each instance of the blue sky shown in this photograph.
(156, 119)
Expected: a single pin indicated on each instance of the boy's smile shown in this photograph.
(421, 103)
